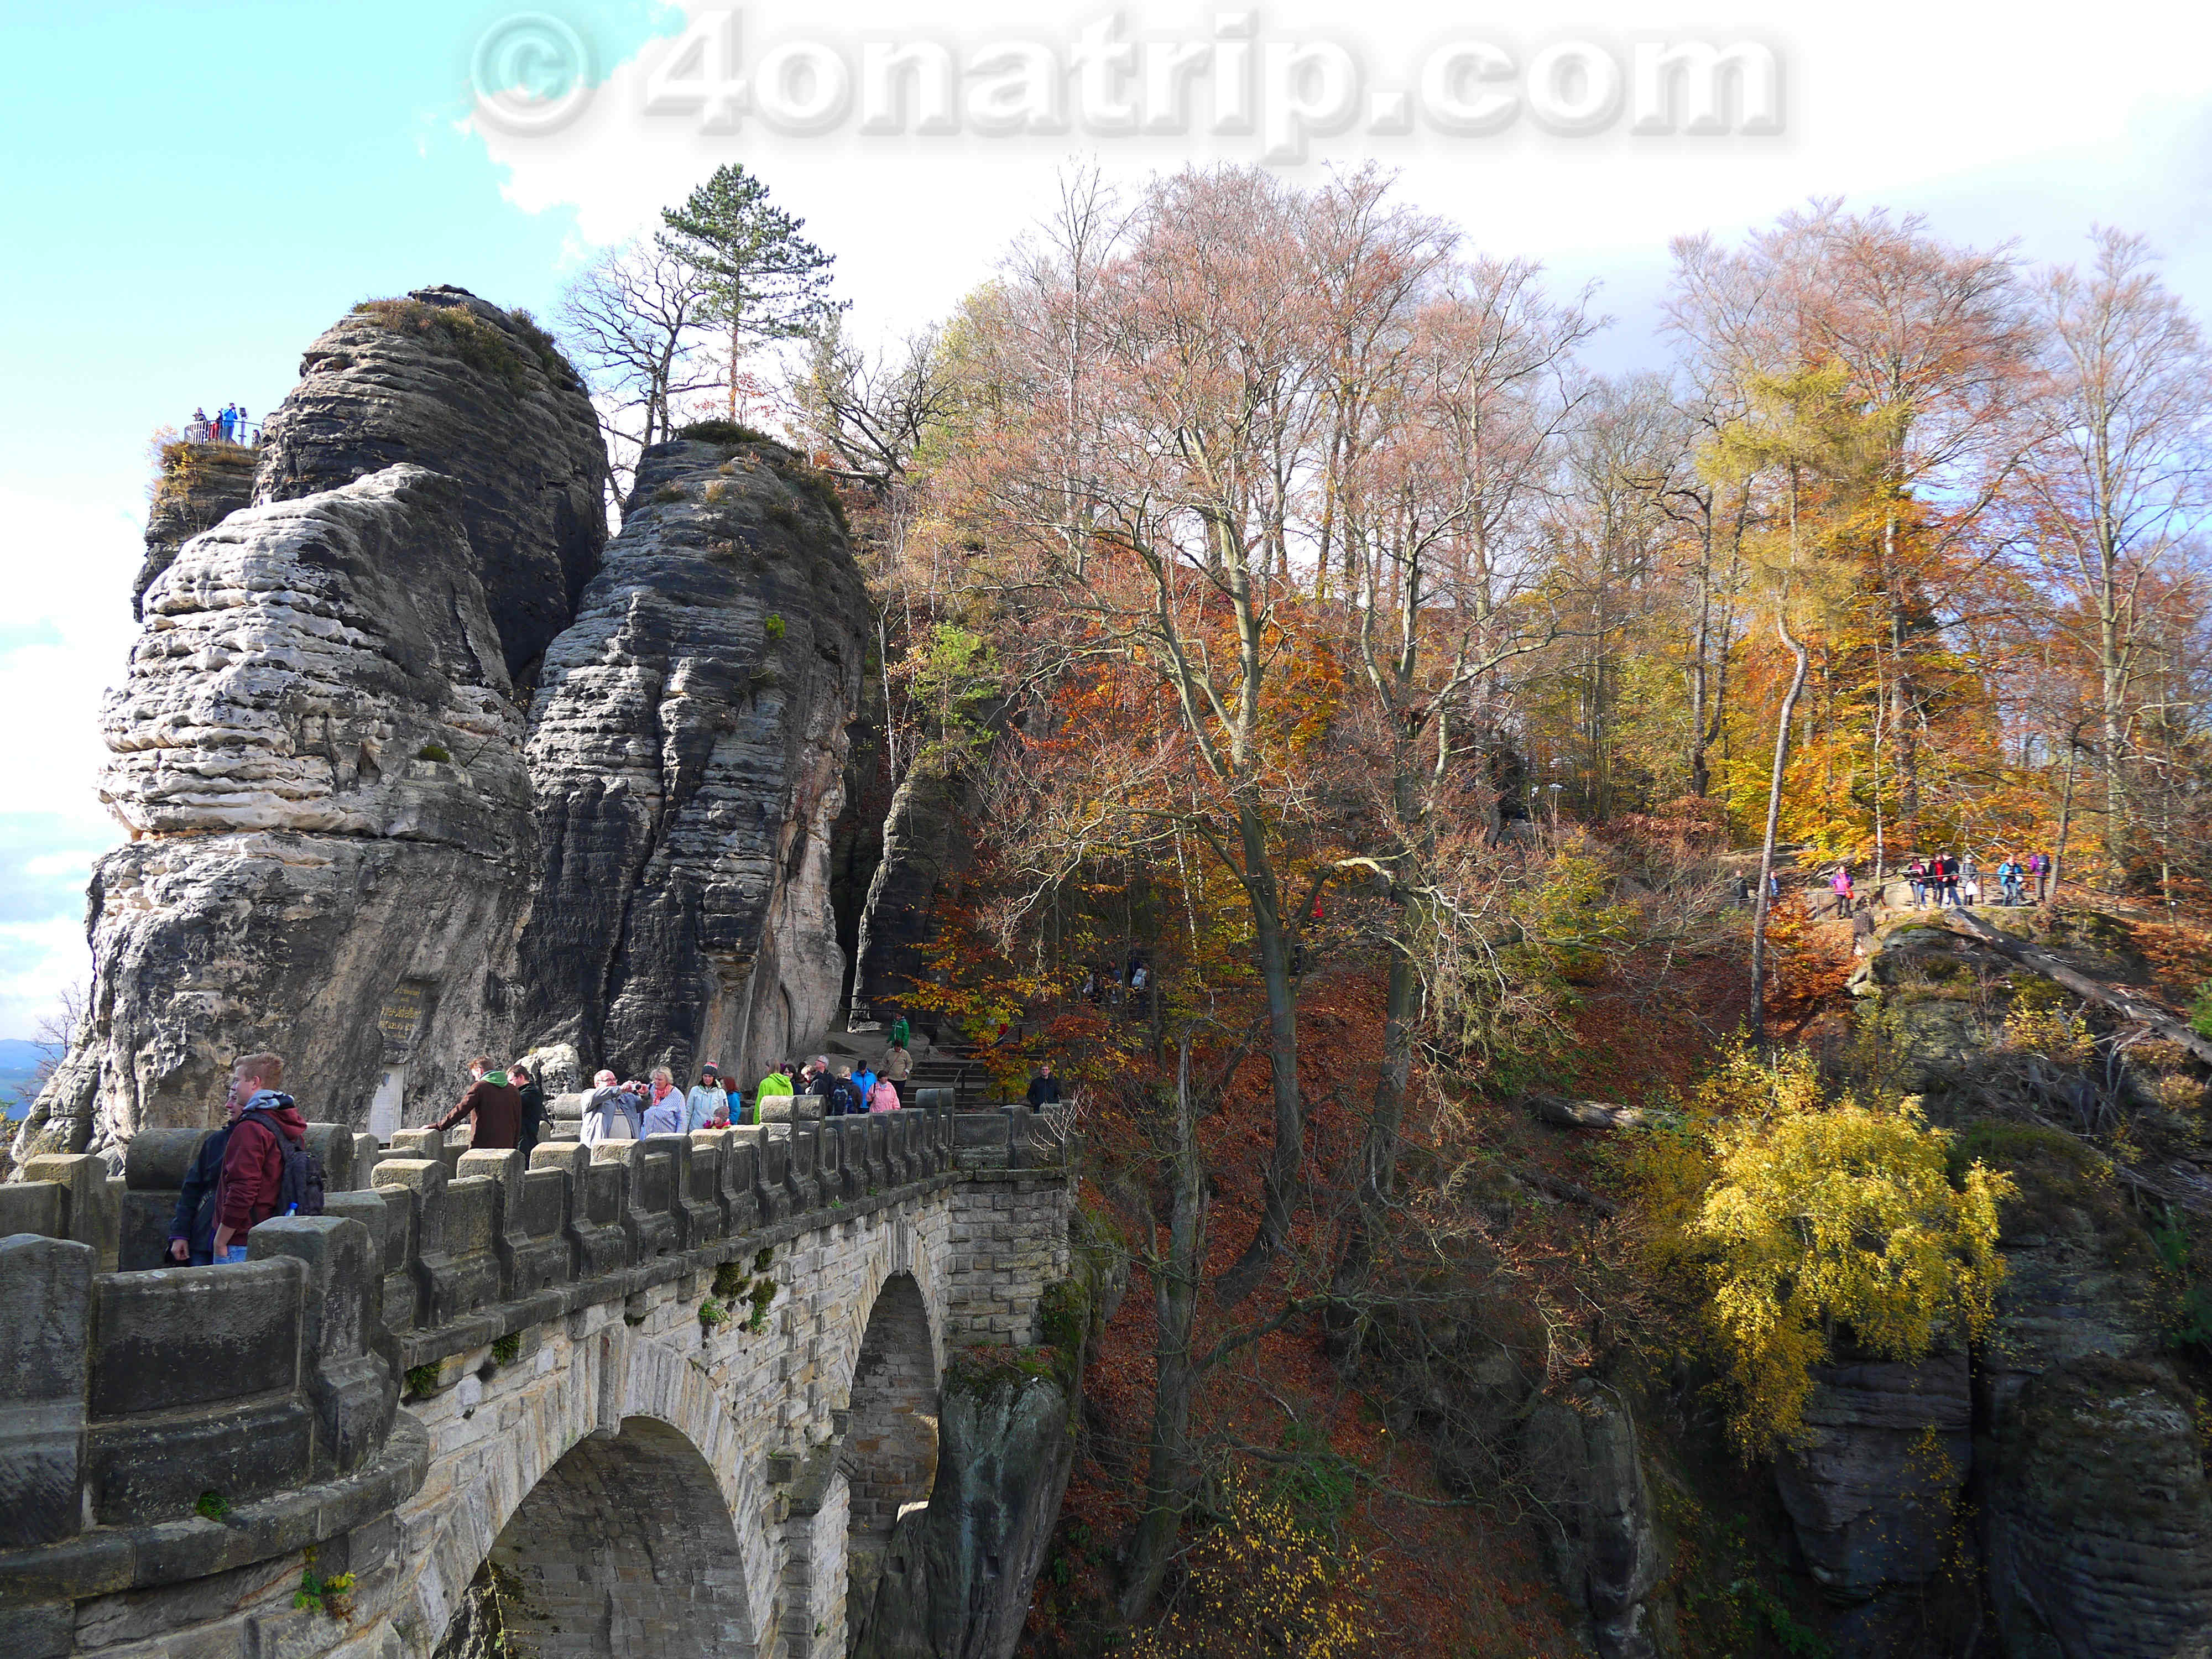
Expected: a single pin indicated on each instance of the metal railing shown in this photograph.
(244, 433)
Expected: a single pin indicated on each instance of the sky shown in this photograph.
(196, 190)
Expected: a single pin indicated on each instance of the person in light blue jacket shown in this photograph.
(706, 1099)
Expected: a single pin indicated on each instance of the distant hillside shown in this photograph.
(19, 1065)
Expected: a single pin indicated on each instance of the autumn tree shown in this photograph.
(2117, 488)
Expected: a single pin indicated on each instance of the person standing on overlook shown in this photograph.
(252, 1179)
(777, 1083)
(1045, 1087)
(494, 1104)
(606, 1114)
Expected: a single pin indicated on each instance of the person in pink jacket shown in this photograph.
(883, 1097)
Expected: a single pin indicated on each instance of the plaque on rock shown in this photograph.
(400, 1017)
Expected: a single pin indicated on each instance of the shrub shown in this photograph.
(773, 625)
(2060, 1038)
(668, 495)
(2200, 1010)
(212, 1504)
(1256, 1582)
(762, 1296)
(1796, 1215)
(479, 342)
(421, 1381)
(506, 1350)
(435, 751)
(713, 1313)
(725, 432)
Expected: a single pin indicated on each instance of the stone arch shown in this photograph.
(889, 1456)
(625, 1548)
(618, 1388)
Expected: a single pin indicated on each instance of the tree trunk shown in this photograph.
(1378, 1152)
(1175, 1299)
(1773, 821)
(1285, 1161)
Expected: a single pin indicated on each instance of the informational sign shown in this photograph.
(401, 1014)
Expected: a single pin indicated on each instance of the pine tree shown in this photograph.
(764, 280)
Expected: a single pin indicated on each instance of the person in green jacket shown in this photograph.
(775, 1083)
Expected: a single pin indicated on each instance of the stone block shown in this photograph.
(194, 1336)
(92, 1212)
(42, 1630)
(45, 1319)
(353, 1389)
(142, 1469)
(33, 1206)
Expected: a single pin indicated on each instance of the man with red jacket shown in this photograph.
(245, 1193)
(497, 1105)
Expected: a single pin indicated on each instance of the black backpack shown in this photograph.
(300, 1188)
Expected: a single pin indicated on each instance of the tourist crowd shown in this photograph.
(229, 426)
(1947, 878)
(258, 1165)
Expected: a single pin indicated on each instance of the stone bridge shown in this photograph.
(661, 1397)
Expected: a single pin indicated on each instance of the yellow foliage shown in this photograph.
(2056, 1034)
(1800, 1215)
(1258, 1584)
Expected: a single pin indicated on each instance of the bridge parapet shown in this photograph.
(159, 1424)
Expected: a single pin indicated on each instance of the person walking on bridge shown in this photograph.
(897, 1068)
(495, 1105)
(526, 1091)
(250, 1188)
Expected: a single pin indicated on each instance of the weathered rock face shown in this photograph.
(1584, 1461)
(956, 1581)
(453, 383)
(319, 755)
(200, 486)
(926, 842)
(687, 747)
(1872, 1488)
(2097, 1523)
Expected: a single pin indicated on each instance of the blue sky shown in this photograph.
(196, 190)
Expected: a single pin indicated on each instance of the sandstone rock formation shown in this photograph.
(1873, 1487)
(448, 380)
(320, 749)
(687, 747)
(957, 1578)
(2097, 1521)
(927, 839)
(200, 486)
(1597, 1528)
(319, 755)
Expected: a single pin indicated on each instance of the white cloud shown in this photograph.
(2047, 123)
(69, 602)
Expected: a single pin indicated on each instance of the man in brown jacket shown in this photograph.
(495, 1104)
